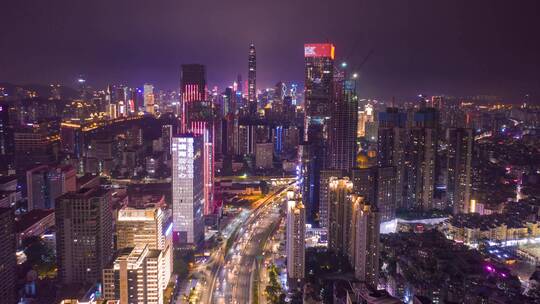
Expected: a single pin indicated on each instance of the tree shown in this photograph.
(273, 290)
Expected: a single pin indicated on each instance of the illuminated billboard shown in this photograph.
(319, 50)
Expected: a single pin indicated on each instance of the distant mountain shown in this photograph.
(43, 91)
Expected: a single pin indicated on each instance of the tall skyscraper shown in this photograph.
(324, 195)
(343, 122)
(136, 276)
(8, 261)
(149, 98)
(252, 80)
(296, 241)
(459, 146)
(420, 160)
(188, 189)
(198, 118)
(194, 95)
(319, 72)
(366, 242)
(339, 214)
(391, 142)
(84, 242)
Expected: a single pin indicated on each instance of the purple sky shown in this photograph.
(452, 47)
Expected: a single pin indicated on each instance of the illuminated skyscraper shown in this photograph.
(460, 142)
(319, 72)
(150, 225)
(252, 80)
(366, 243)
(341, 152)
(296, 241)
(194, 95)
(187, 189)
(149, 98)
(324, 195)
(136, 226)
(339, 214)
(197, 118)
(420, 160)
(392, 137)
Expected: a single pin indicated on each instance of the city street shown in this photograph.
(228, 275)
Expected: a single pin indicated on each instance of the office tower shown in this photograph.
(252, 80)
(198, 118)
(194, 95)
(150, 225)
(84, 234)
(459, 146)
(148, 98)
(296, 241)
(343, 121)
(135, 276)
(8, 261)
(44, 184)
(144, 225)
(339, 214)
(366, 240)
(324, 194)
(188, 189)
(264, 153)
(319, 73)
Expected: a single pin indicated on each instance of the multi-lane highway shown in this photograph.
(228, 275)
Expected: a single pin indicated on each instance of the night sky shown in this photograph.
(455, 47)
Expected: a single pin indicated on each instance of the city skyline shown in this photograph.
(305, 152)
(442, 48)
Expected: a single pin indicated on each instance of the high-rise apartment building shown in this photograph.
(296, 241)
(188, 189)
(459, 154)
(366, 243)
(84, 237)
(8, 261)
(252, 80)
(324, 195)
(377, 185)
(391, 142)
(135, 276)
(339, 214)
